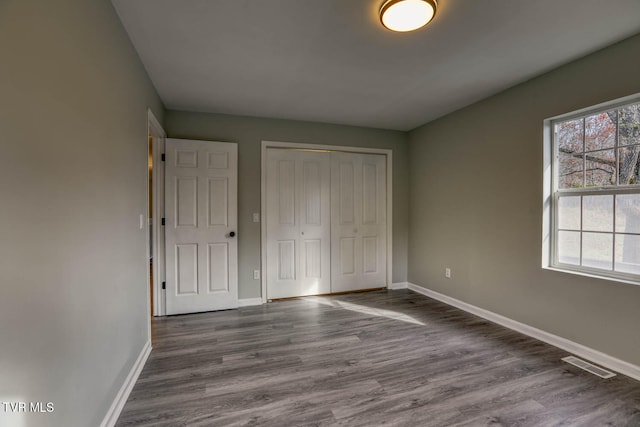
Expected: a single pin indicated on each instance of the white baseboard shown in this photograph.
(585, 352)
(399, 285)
(121, 398)
(249, 302)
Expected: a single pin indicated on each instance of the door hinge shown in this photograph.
(164, 285)
(162, 157)
(163, 221)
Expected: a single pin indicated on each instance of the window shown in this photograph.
(595, 191)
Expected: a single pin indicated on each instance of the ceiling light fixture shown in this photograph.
(407, 15)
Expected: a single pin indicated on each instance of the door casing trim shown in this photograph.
(155, 128)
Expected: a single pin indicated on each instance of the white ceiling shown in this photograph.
(331, 60)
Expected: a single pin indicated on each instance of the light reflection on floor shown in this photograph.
(365, 310)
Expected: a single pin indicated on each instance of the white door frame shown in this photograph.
(301, 146)
(156, 130)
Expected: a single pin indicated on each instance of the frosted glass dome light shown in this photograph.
(407, 15)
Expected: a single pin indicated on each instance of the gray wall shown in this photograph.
(248, 132)
(476, 206)
(73, 309)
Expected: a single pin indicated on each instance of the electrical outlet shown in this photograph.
(256, 274)
(447, 273)
(256, 217)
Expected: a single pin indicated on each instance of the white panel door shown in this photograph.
(298, 219)
(358, 222)
(201, 220)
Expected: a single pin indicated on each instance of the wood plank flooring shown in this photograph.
(393, 358)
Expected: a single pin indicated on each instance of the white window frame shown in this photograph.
(552, 193)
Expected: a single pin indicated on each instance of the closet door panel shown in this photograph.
(298, 223)
(282, 227)
(358, 236)
(314, 179)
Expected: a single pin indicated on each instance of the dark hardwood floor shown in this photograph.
(392, 358)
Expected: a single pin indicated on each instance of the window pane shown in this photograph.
(597, 213)
(601, 168)
(569, 136)
(570, 171)
(629, 124)
(600, 131)
(628, 254)
(597, 250)
(569, 247)
(629, 164)
(628, 213)
(569, 213)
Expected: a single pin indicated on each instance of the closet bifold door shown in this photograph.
(298, 219)
(358, 222)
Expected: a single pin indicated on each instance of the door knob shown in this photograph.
(232, 234)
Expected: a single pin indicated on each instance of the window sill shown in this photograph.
(592, 275)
